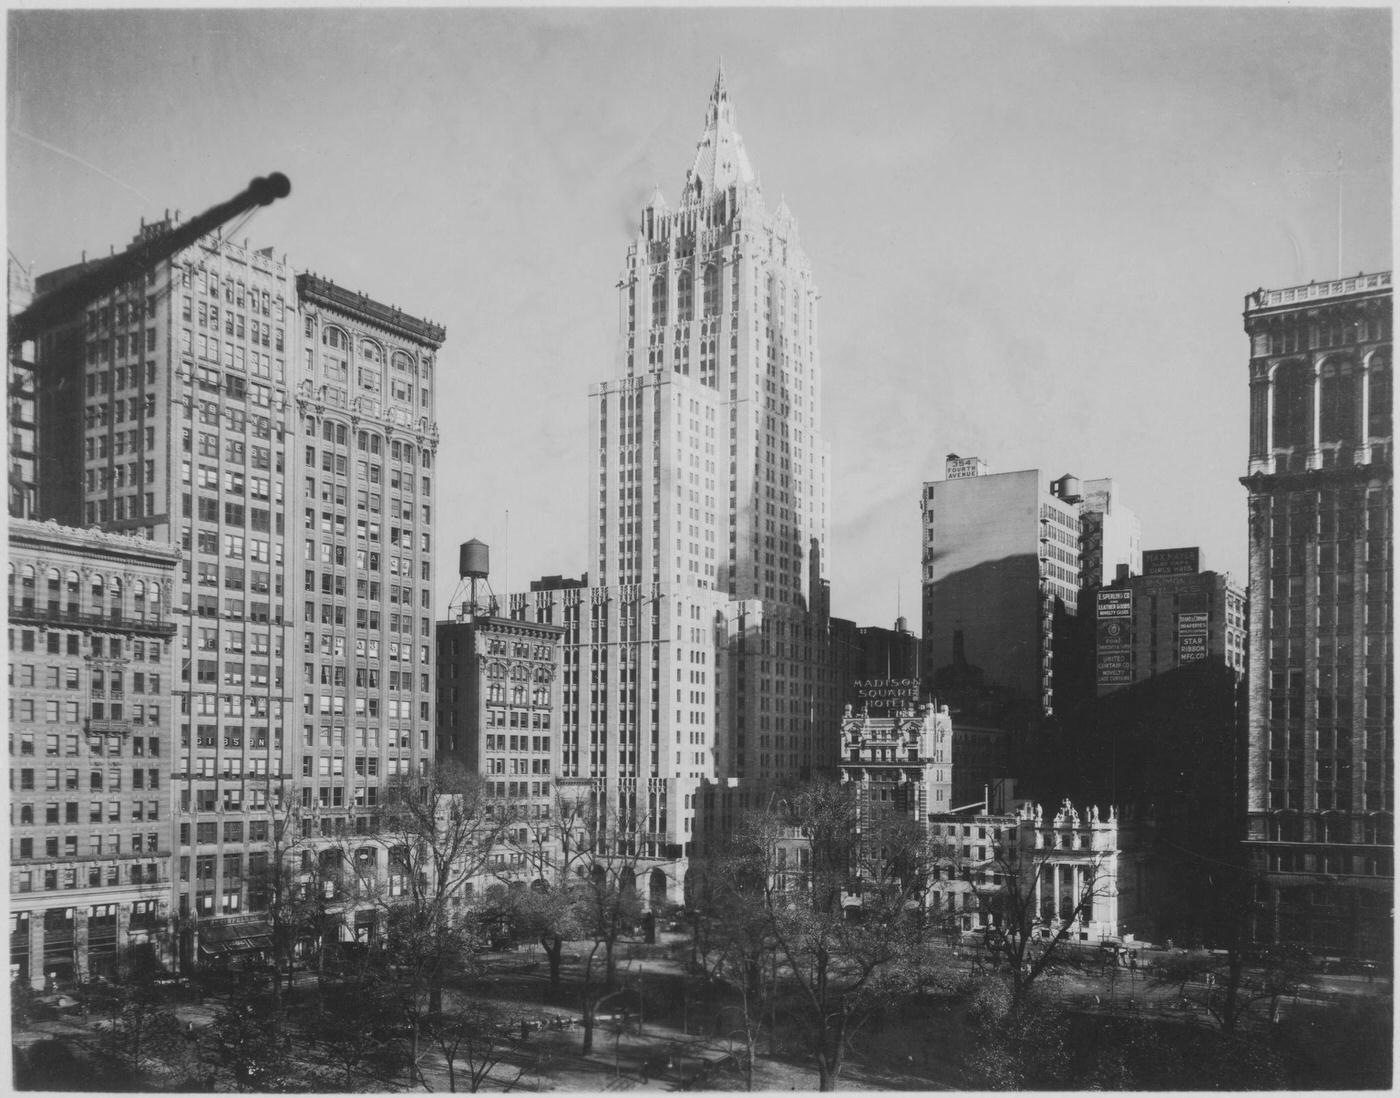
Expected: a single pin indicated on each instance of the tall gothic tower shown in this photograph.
(711, 467)
(700, 652)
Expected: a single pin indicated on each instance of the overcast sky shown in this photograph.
(1033, 229)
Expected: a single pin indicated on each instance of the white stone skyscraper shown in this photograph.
(722, 477)
(704, 652)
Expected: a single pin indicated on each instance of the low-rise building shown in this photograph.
(1082, 868)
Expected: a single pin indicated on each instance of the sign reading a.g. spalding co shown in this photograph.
(886, 693)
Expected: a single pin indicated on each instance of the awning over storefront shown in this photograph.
(217, 939)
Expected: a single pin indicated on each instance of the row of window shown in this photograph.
(66, 591)
(1339, 393)
(70, 779)
(71, 744)
(98, 846)
(69, 877)
(98, 812)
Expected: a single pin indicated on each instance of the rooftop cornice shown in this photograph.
(28, 532)
(1292, 296)
(365, 309)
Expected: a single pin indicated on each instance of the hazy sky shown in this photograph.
(1033, 229)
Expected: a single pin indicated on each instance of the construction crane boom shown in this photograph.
(104, 277)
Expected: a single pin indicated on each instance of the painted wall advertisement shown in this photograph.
(1171, 562)
(1115, 638)
(1192, 638)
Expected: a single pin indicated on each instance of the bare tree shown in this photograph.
(1232, 986)
(440, 828)
(139, 1030)
(481, 1039)
(552, 854)
(849, 943)
(357, 1030)
(297, 883)
(602, 847)
(733, 944)
(1032, 915)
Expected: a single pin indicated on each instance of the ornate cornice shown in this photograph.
(32, 535)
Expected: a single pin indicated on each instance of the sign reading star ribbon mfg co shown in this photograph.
(1192, 638)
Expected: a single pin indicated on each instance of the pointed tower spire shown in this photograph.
(720, 159)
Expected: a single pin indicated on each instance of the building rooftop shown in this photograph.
(1313, 291)
(324, 292)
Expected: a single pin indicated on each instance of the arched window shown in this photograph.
(1292, 404)
(658, 300)
(138, 598)
(334, 358)
(404, 364)
(26, 587)
(685, 297)
(71, 584)
(1337, 415)
(517, 695)
(98, 586)
(371, 351)
(114, 595)
(1378, 422)
(54, 583)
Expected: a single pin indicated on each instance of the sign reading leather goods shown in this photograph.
(1115, 633)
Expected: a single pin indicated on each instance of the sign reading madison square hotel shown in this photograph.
(885, 695)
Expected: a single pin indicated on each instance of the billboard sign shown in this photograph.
(1192, 649)
(1171, 562)
(1192, 638)
(1115, 668)
(962, 468)
(1115, 638)
(1115, 604)
(885, 694)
